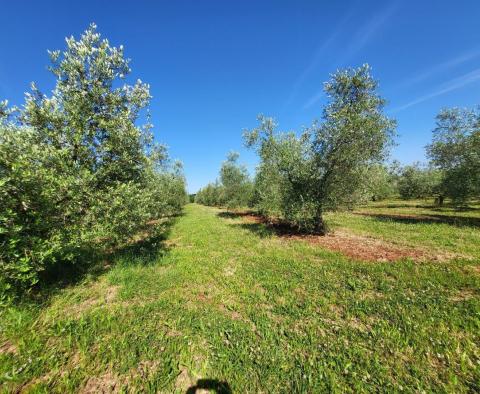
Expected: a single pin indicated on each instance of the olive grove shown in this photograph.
(233, 189)
(455, 151)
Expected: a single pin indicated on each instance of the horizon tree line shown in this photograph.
(340, 161)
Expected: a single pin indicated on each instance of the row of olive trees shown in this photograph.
(234, 188)
(77, 173)
(339, 162)
(453, 171)
(330, 165)
(413, 181)
(455, 152)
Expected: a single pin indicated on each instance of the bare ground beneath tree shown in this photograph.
(352, 245)
(366, 248)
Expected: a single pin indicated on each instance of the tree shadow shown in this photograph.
(220, 387)
(263, 227)
(400, 205)
(262, 230)
(145, 248)
(234, 215)
(459, 221)
(148, 247)
(445, 207)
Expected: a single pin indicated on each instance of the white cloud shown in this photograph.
(441, 67)
(362, 37)
(450, 86)
(366, 32)
(318, 56)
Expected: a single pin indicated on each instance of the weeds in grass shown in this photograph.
(215, 306)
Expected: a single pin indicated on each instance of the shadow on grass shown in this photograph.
(402, 205)
(146, 248)
(459, 221)
(445, 207)
(260, 229)
(217, 386)
(262, 226)
(234, 215)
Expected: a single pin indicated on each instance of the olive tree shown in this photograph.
(380, 183)
(455, 150)
(286, 176)
(236, 183)
(233, 189)
(210, 195)
(325, 168)
(91, 115)
(77, 171)
(416, 181)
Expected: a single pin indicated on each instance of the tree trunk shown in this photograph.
(320, 226)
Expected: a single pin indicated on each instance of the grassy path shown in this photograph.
(221, 299)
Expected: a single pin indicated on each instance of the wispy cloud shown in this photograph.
(360, 39)
(441, 67)
(454, 84)
(313, 100)
(367, 31)
(318, 56)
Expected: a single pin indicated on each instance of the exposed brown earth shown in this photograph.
(352, 245)
(8, 348)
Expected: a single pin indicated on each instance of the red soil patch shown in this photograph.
(354, 246)
(364, 248)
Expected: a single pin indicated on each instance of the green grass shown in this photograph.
(417, 224)
(227, 300)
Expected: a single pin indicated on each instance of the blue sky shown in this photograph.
(214, 65)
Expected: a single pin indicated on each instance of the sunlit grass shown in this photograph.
(416, 223)
(257, 313)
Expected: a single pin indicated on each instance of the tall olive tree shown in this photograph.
(327, 166)
(91, 114)
(455, 150)
(355, 133)
(77, 171)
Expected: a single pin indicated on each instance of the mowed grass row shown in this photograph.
(226, 300)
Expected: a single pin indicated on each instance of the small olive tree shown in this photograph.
(286, 176)
(237, 187)
(381, 184)
(210, 195)
(233, 189)
(325, 168)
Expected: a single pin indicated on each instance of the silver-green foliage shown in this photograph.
(415, 181)
(381, 183)
(237, 187)
(77, 172)
(210, 195)
(327, 166)
(455, 150)
(233, 189)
